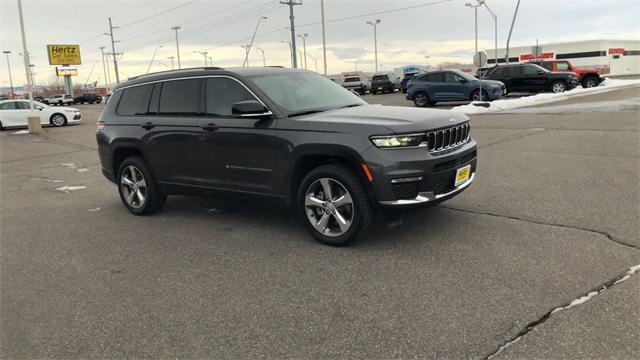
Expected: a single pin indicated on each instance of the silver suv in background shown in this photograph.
(60, 99)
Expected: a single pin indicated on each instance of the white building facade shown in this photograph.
(613, 57)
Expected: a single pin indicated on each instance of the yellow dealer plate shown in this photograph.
(462, 175)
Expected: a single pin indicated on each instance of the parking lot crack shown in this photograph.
(575, 302)
(605, 234)
(536, 132)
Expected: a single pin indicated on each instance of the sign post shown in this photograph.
(65, 55)
(480, 60)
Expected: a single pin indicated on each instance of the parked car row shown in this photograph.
(453, 85)
(15, 113)
(64, 99)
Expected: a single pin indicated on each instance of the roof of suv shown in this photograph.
(203, 71)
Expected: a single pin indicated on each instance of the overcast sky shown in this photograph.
(441, 29)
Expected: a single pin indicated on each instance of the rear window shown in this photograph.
(352, 79)
(380, 77)
(180, 97)
(134, 100)
(436, 77)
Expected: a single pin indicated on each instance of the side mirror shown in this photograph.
(463, 81)
(250, 108)
(540, 72)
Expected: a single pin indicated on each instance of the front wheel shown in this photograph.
(334, 205)
(589, 82)
(58, 120)
(137, 188)
(558, 87)
(475, 95)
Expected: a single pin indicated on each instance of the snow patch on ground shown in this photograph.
(544, 98)
(94, 210)
(21, 132)
(77, 167)
(69, 188)
(52, 180)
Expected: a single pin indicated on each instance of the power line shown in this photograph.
(159, 14)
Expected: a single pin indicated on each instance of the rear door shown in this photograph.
(434, 85)
(455, 87)
(238, 153)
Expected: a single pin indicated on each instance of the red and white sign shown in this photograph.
(528, 57)
(616, 51)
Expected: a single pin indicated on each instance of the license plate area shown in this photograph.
(462, 175)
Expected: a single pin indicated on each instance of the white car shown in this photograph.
(60, 99)
(15, 112)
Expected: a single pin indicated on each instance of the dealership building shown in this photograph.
(612, 57)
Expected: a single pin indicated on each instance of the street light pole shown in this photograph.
(291, 4)
(171, 58)
(176, 28)
(375, 40)
(324, 40)
(426, 57)
(264, 62)
(6, 52)
(290, 51)
(511, 30)
(203, 53)
(246, 58)
(304, 46)
(104, 70)
(33, 119)
(495, 31)
(153, 57)
(315, 61)
(476, 55)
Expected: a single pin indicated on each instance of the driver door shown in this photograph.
(238, 153)
(455, 87)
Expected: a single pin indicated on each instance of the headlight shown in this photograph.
(396, 141)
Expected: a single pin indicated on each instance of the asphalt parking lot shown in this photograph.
(552, 216)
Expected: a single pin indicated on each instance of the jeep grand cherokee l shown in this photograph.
(282, 134)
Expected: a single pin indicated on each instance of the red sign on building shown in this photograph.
(528, 57)
(616, 51)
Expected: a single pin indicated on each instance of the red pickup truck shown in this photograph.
(588, 77)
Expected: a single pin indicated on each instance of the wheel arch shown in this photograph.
(121, 152)
(310, 157)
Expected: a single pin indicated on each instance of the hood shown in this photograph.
(65, 108)
(490, 82)
(383, 120)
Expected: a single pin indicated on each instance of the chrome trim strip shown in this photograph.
(429, 196)
(405, 180)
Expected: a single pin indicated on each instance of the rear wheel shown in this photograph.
(58, 120)
(137, 188)
(334, 205)
(475, 95)
(421, 99)
(558, 86)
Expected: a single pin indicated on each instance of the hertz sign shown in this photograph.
(64, 54)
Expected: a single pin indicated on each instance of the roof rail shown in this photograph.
(168, 71)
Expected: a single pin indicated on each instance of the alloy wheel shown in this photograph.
(329, 207)
(478, 96)
(589, 83)
(420, 99)
(134, 187)
(57, 120)
(558, 87)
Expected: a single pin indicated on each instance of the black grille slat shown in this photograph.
(449, 137)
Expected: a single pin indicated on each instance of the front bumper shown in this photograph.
(426, 197)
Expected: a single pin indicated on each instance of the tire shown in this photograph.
(590, 81)
(421, 99)
(349, 202)
(373, 93)
(474, 95)
(139, 196)
(58, 120)
(59, 102)
(558, 87)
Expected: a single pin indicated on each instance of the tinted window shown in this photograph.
(547, 66)
(514, 70)
(8, 106)
(134, 100)
(222, 93)
(436, 77)
(451, 77)
(380, 77)
(562, 66)
(180, 97)
(530, 70)
(22, 105)
(354, 79)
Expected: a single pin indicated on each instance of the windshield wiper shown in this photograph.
(306, 112)
(348, 106)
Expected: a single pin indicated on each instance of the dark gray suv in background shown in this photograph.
(281, 134)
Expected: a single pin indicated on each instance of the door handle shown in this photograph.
(210, 127)
(148, 126)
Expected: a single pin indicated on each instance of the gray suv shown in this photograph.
(279, 134)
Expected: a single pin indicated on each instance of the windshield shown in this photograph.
(540, 68)
(352, 79)
(298, 93)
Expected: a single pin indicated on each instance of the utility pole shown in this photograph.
(291, 4)
(264, 62)
(315, 61)
(104, 70)
(113, 51)
(176, 28)
(304, 46)
(6, 52)
(426, 58)
(324, 40)
(33, 119)
(153, 57)
(171, 58)
(290, 51)
(495, 31)
(210, 60)
(203, 53)
(246, 55)
(375, 39)
(246, 58)
(511, 30)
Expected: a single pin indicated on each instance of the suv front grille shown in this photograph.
(447, 138)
